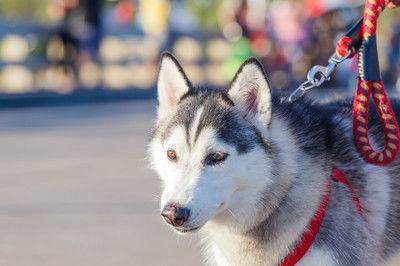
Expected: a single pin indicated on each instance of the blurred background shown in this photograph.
(52, 49)
(77, 104)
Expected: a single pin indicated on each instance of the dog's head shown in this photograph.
(210, 148)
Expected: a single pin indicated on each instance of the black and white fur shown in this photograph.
(253, 207)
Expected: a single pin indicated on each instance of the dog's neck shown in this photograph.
(275, 229)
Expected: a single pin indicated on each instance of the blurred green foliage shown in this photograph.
(205, 12)
(32, 9)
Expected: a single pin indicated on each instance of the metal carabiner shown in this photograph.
(317, 75)
(300, 91)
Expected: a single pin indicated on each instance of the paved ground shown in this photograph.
(75, 189)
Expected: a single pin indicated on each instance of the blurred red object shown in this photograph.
(314, 8)
(259, 44)
(124, 12)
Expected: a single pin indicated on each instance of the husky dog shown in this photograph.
(248, 170)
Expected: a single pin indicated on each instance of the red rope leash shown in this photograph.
(343, 46)
(374, 87)
(360, 127)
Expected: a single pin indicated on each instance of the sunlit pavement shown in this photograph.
(75, 189)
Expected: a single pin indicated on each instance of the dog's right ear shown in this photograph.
(172, 84)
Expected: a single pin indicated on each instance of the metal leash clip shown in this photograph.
(317, 75)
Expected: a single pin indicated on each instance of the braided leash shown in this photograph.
(370, 84)
(360, 127)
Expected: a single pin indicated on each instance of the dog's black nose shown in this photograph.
(175, 215)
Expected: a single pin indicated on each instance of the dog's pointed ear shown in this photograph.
(172, 84)
(251, 93)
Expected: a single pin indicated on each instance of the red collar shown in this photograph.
(312, 230)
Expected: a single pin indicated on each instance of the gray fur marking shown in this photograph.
(218, 113)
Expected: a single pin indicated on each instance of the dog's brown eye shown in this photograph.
(171, 155)
(215, 158)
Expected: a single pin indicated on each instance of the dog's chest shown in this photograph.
(241, 250)
(236, 249)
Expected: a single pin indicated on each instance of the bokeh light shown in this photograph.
(14, 48)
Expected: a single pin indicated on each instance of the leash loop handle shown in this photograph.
(360, 123)
(370, 85)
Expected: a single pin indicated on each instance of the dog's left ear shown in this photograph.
(251, 94)
(172, 84)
